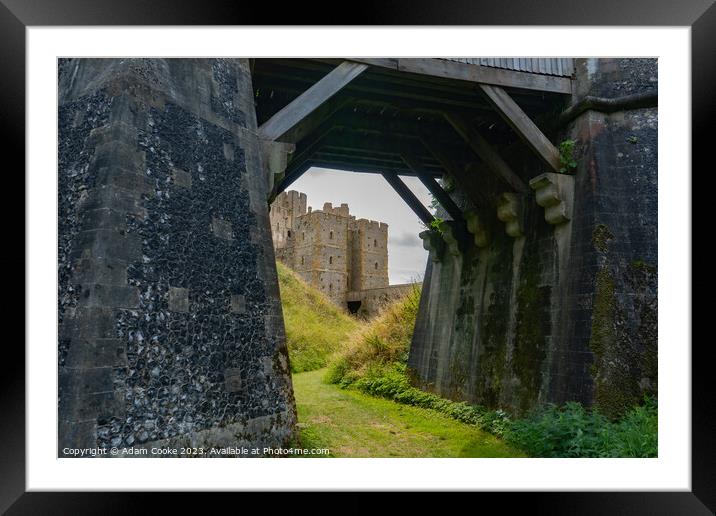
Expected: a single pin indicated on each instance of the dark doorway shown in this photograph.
(353, 306)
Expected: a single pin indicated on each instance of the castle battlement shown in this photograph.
(329, 248)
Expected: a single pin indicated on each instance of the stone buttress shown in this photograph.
(170, 325)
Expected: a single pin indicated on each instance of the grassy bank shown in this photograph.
(377, 345)
(374, 362)
(353, 424)
(315, 327)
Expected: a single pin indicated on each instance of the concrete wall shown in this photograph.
(563, 309)
(170, 324)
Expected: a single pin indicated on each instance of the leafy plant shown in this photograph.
(435, 224)
(434, 204)
(573, 431)
(566, 156)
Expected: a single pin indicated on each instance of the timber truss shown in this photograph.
(429, 118)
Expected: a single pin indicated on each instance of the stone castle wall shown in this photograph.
(329, 248)
(170, 324)
(557, 310)
(373, 301)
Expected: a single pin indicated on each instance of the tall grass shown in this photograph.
(315, 327)
(379, 343)
(374, 362)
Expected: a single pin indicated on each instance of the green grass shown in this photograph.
(352, 424)
(315, 327)
(374, 362)
(381, 342)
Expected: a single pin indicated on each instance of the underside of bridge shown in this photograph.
(521, 303)
(541, 281)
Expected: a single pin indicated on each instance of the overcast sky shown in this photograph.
(369, 196)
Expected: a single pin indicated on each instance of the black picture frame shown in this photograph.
(17, 15)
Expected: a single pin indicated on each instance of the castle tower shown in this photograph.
(329, 248)
(285, 209)
(369, 264)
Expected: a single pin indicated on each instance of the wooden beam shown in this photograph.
(287, 180)
(409, 198)
(404, 96)
(353, 167)
(309, 146)
(466, 182)
(314, 120)
(432, 185)
(360, 165)
(485, 151)
(475, 73)
(523, 125)
(309, 100)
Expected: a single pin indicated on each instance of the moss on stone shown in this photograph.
(601, 237)
(531, 329)
(609, 396)
(493, 324)
(616, 388)
(641, 265)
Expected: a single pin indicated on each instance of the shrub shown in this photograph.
(573, 431)
(374, 362)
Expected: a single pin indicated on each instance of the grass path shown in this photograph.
(352, 424)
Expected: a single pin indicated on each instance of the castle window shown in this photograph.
(330, 287)
(375, 242)
(330, 260)
(289, 233)
(301, 260)
(303, 236)
(331, 235)
(376, 265)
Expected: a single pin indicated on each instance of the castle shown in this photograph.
(343, 257)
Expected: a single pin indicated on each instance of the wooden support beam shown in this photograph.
(409, 198)
(287, 180)
(394, 95)
(485, 151)
(432, 185)
(311, 99)
(523, 125)
(309, 147)
(466, 182)
(353, 167)
(474, 73)
(314, 120)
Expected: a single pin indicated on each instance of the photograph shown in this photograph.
(443, 248)
(383, 257)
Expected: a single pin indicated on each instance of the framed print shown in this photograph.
(344, 242)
